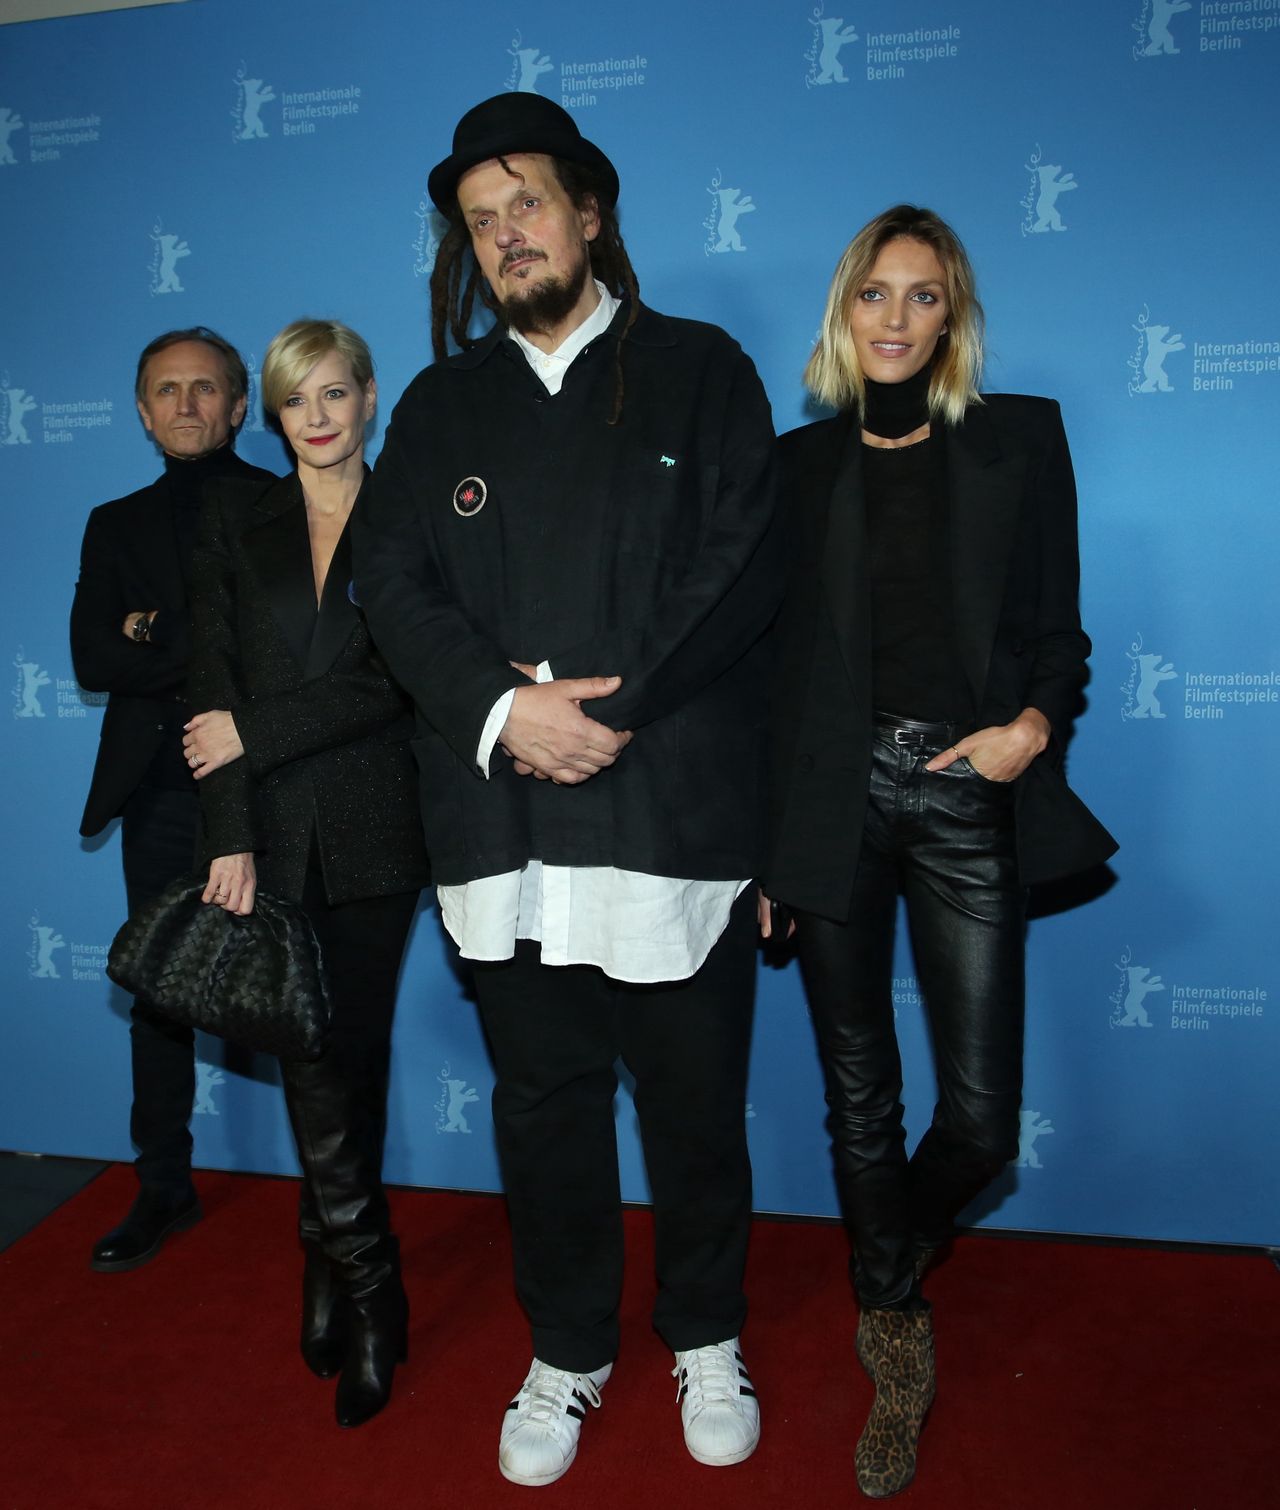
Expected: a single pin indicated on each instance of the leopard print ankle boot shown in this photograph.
(896, 1349)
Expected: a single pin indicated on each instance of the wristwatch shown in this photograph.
(141, 628)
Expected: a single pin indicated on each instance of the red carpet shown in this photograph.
(1119, 1379)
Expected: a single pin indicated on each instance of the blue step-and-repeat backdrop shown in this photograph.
(1111, 167)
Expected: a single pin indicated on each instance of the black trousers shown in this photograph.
(945, 841)
(362, 943)
(556, 1033)
(159, 832)
(338, 1104)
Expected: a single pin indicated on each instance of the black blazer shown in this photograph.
(325, 729)
(1015, 577)
(129, 562)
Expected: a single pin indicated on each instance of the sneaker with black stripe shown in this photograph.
(540, 1431)
(718, 1404)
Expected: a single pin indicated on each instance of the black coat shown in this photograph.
(129, 564)
(1014, 576)
(325, 730)
(643, 549)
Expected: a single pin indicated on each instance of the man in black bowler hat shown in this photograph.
(131, 638)
(568, 561)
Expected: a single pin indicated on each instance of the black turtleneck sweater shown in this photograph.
(185, 483)
(914, 670)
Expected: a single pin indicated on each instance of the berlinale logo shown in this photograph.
(451, 1104)
(246, 115)
(1148, 670)
(830, 34)
(1146, 365)
(1152, 26)
(1040, 202)
(528, 64)
(721, 225)
(167, 252)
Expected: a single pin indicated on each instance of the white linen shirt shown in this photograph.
(635, 927)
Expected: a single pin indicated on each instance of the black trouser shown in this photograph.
(338, 1105)
(159, 832)
(556, 1033)
(945, 840)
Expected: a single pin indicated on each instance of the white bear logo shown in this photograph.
(529, 64)
(169, 249)
(451, 1105)
(1033, 1127)
(1159, 344)
(833, 34)
(1150, 674)
(33, 678)
(1160, 41)
(1052, 182)
(44, 942)
(10, 122)
(207, 1076)
(254, 94)
(1140, 984)
(18, 404)
(732, 204)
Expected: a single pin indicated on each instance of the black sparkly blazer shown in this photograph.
(325, 730)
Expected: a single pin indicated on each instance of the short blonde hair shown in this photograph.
(834, 375)
(296, 350)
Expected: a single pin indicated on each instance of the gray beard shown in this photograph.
(550, 303)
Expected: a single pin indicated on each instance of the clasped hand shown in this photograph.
(1001, 752)
(549, 736)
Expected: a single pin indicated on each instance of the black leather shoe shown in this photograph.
(324, 1315)
(154, 1216)
(378, 1339)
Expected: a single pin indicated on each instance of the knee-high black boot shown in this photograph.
(323, 1339)
(338, 1110)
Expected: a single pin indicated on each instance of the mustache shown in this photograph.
(520, 254)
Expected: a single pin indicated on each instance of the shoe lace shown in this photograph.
(548, 1391)
(710, 1374)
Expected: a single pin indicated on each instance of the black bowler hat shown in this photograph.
(517, 122)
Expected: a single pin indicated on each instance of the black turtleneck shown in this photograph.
(914, 669)
(892, 410)
(185, 482)
(185, 479)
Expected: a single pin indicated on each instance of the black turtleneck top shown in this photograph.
(914, 670)
(185, 482)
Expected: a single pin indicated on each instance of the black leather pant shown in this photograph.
(338, 1104)
(945, 841)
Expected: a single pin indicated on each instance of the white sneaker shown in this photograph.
(540, 1431)
(718, 1405)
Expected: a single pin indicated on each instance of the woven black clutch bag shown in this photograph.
(257, 980)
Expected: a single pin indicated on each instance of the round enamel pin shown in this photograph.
(469, 496)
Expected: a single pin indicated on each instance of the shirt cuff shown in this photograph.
(492, 728)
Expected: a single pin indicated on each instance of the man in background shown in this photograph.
(131, 638)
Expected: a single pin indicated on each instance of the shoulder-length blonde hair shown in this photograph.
(834, 375)
(296, 350)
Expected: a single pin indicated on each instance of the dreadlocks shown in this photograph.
(456, 280)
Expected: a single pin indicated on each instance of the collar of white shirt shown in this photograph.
(552, 366)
